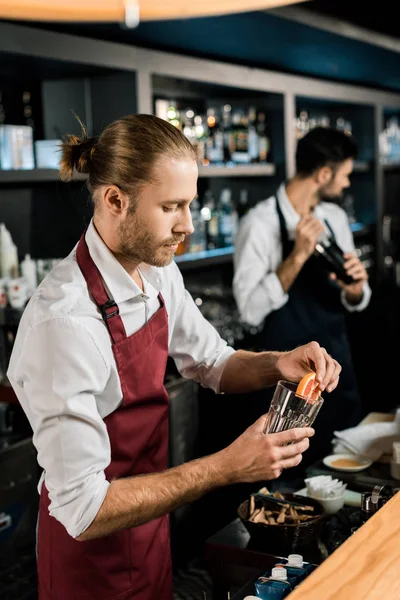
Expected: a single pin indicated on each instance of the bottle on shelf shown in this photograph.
(28, 271)
(263, 139)
(215, 138)
(253, 136)
(229, 142)
(222, 136)
(228, 219)
(211, 217)
(9, 267)
(243, 206)
(197, 240)
(240, 133)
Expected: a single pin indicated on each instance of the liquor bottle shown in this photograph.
(253, 139)
(211, 217)
(229, 142)
(215, 139)
(243, 206)
(240, 134)
(263, 140)
(197, 240)
(228, 219)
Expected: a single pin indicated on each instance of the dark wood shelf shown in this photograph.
(48, 175)
(35, 176)
(394, 166)
(253, 170)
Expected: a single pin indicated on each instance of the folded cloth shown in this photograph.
(371, 440)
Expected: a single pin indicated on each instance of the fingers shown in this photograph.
(357, 272)
(286, 448)
(334, 383)
(260, 423)
(315, 356)
(294, 449)
(354, 267)
(311, 228)
(290, 435)
(289, 463)
(331, 373)
(327, 368)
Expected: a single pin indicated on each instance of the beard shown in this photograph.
(328, 194)
(138, 244)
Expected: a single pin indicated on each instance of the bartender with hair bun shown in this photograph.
(88, 367)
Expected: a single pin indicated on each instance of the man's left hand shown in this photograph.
(354, 268)
(295, 364)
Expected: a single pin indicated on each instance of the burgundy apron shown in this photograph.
(132, 563)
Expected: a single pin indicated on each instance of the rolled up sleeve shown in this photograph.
(60, 371)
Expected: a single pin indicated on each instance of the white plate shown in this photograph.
(364, 462)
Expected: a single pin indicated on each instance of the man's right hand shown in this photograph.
(308, 231)
(255, 456)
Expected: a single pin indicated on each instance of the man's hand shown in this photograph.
(255, 456)
(307, 233)
(295, 364)
(354, 268)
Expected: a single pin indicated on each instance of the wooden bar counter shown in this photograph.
(365, 567)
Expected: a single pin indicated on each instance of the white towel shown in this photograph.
(371, 440)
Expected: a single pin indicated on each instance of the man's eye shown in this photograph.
(168, 209)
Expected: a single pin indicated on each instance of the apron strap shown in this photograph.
(283, 229)
(107, 306)
(330, 229)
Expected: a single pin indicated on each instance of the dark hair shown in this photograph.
(124, 154)
(322, 147)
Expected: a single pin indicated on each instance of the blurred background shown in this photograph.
(244, 87)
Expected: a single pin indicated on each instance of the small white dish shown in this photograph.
(363, 463)
(350, 498)
(330, 505)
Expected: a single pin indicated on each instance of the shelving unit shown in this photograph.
(74, 72)
(49, 175)
(391, 166)
(262, 170)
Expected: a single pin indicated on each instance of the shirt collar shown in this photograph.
(291, 217)
(119, 283)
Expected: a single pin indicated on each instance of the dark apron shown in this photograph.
(314, 311)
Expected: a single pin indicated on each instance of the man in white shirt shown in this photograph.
(88, 368)
(290, 294)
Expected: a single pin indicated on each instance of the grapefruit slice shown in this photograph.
(308, 387)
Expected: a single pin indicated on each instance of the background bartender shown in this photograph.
(281, 285)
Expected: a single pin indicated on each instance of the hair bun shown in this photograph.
(76, 155)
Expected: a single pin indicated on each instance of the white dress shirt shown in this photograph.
(64, 374)
(258, 254)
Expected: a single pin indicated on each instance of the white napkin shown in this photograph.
(371, 440)
(324, 487)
